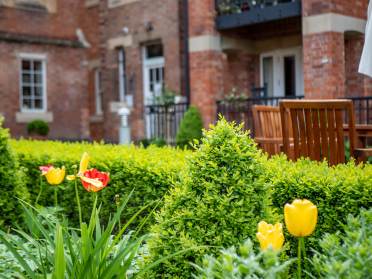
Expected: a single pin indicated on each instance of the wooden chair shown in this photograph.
(317, 130)
(267, 128)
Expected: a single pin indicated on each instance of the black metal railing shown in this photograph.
(225, 7)
(240, 110)
(363, 109)
(162, 121)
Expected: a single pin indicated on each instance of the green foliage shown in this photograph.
(217, 204)
(151, 172)
(349, 254)
(38, 127)
(11, 183)
(336, 191)
(49, 248)
(243, 263)
(159, 142)
(190, 128)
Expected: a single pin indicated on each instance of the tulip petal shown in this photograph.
(94, 182)
(84, 163)
(70, 177)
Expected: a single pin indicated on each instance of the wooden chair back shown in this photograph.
(267, 128)
(317, 129)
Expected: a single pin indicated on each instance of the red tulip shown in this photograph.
(94, 180)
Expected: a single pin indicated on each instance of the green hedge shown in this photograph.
(217, 204)
(336, 191)
(150, 172)
(11, 183)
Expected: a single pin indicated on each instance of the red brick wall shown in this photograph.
(164, 16)
(355, 8)
(66, 89)
(324, 65)
(61, 24)
(206, 79)
(202, 17)
(354, 81)
(241, 71)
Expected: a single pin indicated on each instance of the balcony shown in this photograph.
(241, 13)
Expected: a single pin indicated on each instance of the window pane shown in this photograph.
(38, 91)
(26, 104)
(154, 51)
(26, 78)
(26, 91)
(38, 78)
(38, 66)
(26, 65)
(38, 103)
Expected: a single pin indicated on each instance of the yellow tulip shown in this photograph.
(270, 236)
(55, 176)
(83, 167)
(300, 217)
(84, 163)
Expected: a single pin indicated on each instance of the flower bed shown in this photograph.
(150, 172)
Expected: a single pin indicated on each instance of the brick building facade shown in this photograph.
(75, 64)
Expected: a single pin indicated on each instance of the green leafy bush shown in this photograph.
(190, 128)
(217, 204)
(11, 183)
(349, 254)
(50, 248)
(38, 127)
(243, 263)
(336, 191)
(151, 172)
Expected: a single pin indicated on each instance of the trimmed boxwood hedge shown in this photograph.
(218, 203)
(11, 183)
(337, 191)
(150, 172)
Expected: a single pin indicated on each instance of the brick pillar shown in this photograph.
(330, 61)
(324, 65)
(206, 59)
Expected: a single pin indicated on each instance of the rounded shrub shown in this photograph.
(217, 203)
(190, 128)
(38, 127)
(11, 183)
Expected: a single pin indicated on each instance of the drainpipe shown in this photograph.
(186, 56)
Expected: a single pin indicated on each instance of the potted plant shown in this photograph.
(38, 129)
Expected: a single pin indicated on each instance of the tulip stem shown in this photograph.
(299, 258)
(78, 203)
(41, 189)
(304, 252)
(55, 197)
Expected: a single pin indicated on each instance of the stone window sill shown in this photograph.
(26, 117)
(117, 3)
(98, 118)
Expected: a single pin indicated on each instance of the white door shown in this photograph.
(282, 72)
(153, 84)
(153, 77)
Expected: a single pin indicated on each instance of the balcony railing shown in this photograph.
(240, 110)
(238, 13)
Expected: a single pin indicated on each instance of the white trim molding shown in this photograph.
(26, 117)
(205, 43)
(117, 3)
(122, 41)
(332, 22)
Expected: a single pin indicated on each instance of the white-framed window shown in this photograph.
(98, 91)
(33, 83)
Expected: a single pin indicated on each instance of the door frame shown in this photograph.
(278, 68)
(148, 63)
